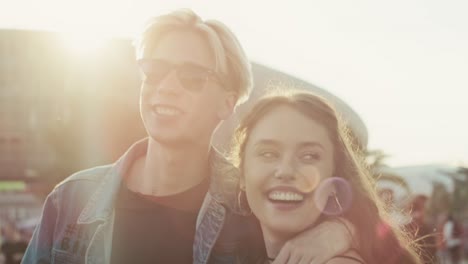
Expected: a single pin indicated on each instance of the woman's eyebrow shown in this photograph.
(267, 142)
(311, 144)
(305, 144)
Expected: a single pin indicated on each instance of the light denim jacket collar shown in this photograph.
(221, 195)
(101, 204)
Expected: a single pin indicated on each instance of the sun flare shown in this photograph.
(83, 43)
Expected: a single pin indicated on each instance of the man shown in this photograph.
(452, 232)
(13, 244)
(166, 200)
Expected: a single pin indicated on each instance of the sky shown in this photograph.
(402, 65)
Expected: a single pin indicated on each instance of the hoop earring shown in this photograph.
(337, 202)
(240, 203)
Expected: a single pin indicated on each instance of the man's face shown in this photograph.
(182, 100)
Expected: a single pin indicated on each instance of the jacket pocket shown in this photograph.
(63, 257)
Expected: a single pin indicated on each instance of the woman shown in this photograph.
(299, 168)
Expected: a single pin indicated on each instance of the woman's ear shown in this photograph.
(242, 201)
(242, 182)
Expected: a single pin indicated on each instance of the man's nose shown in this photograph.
(170, 84)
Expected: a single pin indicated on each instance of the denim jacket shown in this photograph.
(78, 215)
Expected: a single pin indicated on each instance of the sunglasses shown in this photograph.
(191, 76)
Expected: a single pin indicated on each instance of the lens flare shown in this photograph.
(81, 44)
(333, 196)
(311, 177)
(382, 230)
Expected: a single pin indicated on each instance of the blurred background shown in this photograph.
(395, 70)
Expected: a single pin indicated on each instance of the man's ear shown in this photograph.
(227, 106)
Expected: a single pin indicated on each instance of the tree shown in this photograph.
(375, 158)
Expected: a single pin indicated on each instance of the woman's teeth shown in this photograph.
(285, 196)
(167, 111)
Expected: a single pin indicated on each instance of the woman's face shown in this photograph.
(286, 156)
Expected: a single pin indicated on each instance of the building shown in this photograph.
(63, 110)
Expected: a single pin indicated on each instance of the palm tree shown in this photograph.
(375, 160)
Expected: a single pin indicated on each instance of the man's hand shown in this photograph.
(318, 244)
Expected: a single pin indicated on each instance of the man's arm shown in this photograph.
(40, 246)
(319, 244)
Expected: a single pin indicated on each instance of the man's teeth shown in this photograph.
(285, 196)
(160, 110)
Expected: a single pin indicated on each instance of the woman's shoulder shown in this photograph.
(350, 257)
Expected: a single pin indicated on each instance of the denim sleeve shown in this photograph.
(40, 247)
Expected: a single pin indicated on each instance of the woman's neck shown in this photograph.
(273, 243)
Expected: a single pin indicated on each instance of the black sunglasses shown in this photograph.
(193, 77)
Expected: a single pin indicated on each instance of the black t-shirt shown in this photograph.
(150, 229)
(240, 241)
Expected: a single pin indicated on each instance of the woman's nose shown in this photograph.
(285, 170)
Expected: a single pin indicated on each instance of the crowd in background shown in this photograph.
(14, 240)
(441, 241)
(444, 240)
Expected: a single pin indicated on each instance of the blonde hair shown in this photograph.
(367, 213)
(230, 57)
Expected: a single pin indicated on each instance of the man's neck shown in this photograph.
(166, 171)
